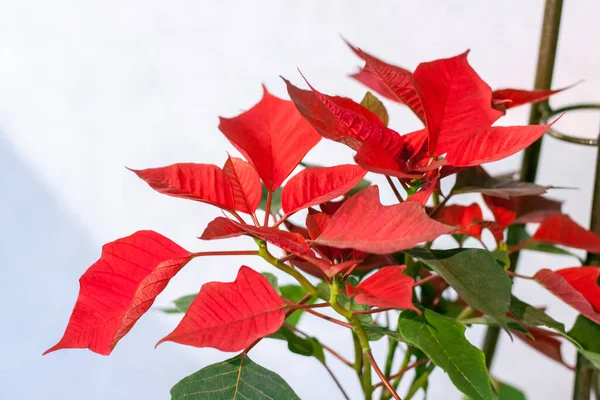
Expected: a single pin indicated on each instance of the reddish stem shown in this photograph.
(381, 375)
(372, 310)
(328, 318)
(514, 274)
(326, 348)
(283, 219)
(225, 253)
(394, 189)
(268, 208)
(404, 370)
(519, 246)
(431, 277)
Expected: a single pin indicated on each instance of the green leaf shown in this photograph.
(443, 340)
(511, 324)
(508, 392)
(533, 316)
(275, 201)
(474, 274)
(295, 293)
(234, 379)
(373, 104)
(181, 304)
(309, 346)
(272, 279)
(587, 333)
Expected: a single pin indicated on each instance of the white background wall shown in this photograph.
(87, 88)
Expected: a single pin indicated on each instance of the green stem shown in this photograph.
(385, 395)
(364, 344)
(389, 361)
(529, 167)
(584, 373)
(268, 257)
(419, 382)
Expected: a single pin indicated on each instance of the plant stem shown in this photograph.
(225, 253)
(389, 361)
(543, 80)
(380, 374)
(584, 373)
(326, 348)
(339, 385)
(268, 257)
(268, 208)
(394, 189)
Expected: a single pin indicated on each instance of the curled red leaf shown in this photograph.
(230, 316)
(119, 288)
(574, 286)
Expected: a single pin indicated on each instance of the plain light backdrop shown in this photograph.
(87, 88)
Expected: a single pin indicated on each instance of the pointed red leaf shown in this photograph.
(390, 81)
(560, 229)
(342, 120)
(363, 223)
(503, 99)
(561, 287)
(221, 228)
(230, 316)
(455, 100)
(273, 136)
(201, 182)
(245, 184)
(119, 288)
(314, 186)
(316, 222)
(467, 217)
(388, 287)
(485, 145)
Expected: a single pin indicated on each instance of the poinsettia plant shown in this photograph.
(352, 254)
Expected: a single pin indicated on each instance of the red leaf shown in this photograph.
(585, 281)
(342, 120)
(503, 99)
(561, 287)
(221, 228)
(467, 217)
(201, 182)
(560, 229)
(273, 136)
(363, 223)
(455, 99)
(296, 229)
(374, 158)
(245, 184)
(316, 222)
(504, 209)
(230, 316)
(485, 145)
(544, 342)
(119, 288)
(388, 287)
(313, 186)
(390, 81)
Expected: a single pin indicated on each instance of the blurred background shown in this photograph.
(87, 88)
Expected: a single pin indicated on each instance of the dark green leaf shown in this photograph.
(474, 274)
(443, 340)
(275, 201)
(476, 180)
(511, 324)
(181, 304)
(533, 316)
(234, 379)
(373, 104)
(507, 392)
